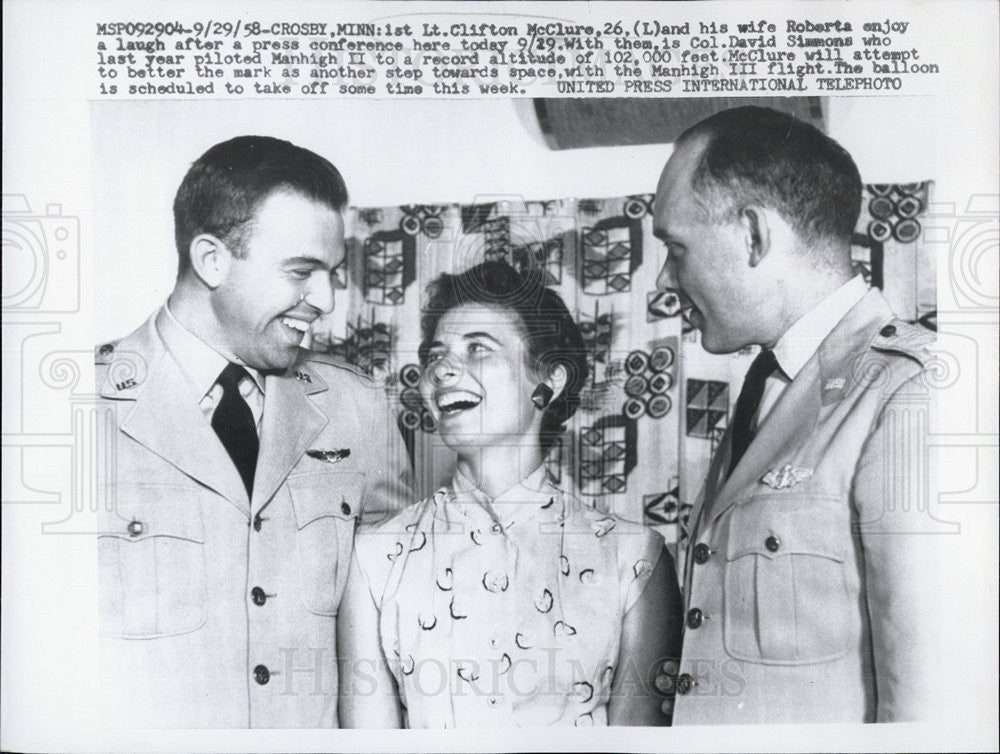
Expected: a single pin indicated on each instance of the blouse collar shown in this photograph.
(536, 494)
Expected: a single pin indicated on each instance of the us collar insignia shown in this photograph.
(330, 456)
(785, 477)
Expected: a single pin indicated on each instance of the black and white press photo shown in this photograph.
(396, 376)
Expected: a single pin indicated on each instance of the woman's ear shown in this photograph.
(210, 259)
(557, 379)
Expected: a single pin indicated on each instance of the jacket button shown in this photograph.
(257, 522)
(345, 508)
(772, 543)
(496, 528)
(261, 674)
(135, 528)
(684, 683)
(702, 553)
(106, 349)
(695, 617)
(258, 596)
(888, 331)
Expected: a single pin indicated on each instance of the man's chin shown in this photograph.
(277, 361)
(712, 344)
(719, 347)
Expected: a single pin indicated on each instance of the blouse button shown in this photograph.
(496, 528)
(493, 701)
(495, 581)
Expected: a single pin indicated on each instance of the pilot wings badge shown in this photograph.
(785, 477)
(330, 456)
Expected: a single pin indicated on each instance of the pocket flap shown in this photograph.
(779, 525)
(326, 494)
(156, 510)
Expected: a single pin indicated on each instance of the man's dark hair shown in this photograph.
(224, 187)
(552, 337)
(755, 155)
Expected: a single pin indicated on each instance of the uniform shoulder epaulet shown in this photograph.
(332, 360)
(104, 353)
(903, 338)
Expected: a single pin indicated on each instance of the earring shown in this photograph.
(541, 395)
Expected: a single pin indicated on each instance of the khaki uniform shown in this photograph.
(804, 597)
(218, 610)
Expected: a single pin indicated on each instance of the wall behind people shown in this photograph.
(421, 152)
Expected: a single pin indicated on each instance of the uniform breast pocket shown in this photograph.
(786, 594)
(326, 513)
(151, 563)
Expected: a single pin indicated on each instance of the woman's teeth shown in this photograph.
(459, 400)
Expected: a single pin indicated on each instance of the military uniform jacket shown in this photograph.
(217, 610)
(802, 582)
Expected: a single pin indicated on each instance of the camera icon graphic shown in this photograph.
(41, 258)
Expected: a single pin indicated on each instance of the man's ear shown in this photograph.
(756, 226)
(210, 259)
(557, 379)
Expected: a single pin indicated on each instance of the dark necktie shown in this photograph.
(234, 424)
(747, 404)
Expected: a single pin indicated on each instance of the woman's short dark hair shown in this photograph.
(224, 187)
(552, 337)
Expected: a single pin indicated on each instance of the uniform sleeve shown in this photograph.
(639, 549)
(390, 488)
(892, 496)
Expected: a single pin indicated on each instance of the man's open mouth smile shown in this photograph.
(299, 327)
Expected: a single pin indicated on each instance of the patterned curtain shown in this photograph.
(655, 404)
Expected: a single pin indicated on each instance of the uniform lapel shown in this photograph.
(705, 501)
(717, 471)
(291, 422)
(720, 460)
(793, 420)
(166, 419)
(789, 425)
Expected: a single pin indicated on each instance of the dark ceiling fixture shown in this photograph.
(612, 122)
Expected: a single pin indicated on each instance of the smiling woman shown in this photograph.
(491, 323)
(502, 600)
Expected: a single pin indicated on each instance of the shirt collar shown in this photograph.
(533, 494)
(802, 339)
(200, 363)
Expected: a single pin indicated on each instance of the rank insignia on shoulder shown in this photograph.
(330, 456)
(303, 377)
(785, 477)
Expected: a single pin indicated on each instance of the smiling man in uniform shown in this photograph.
(239, 463)
(808, 577)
